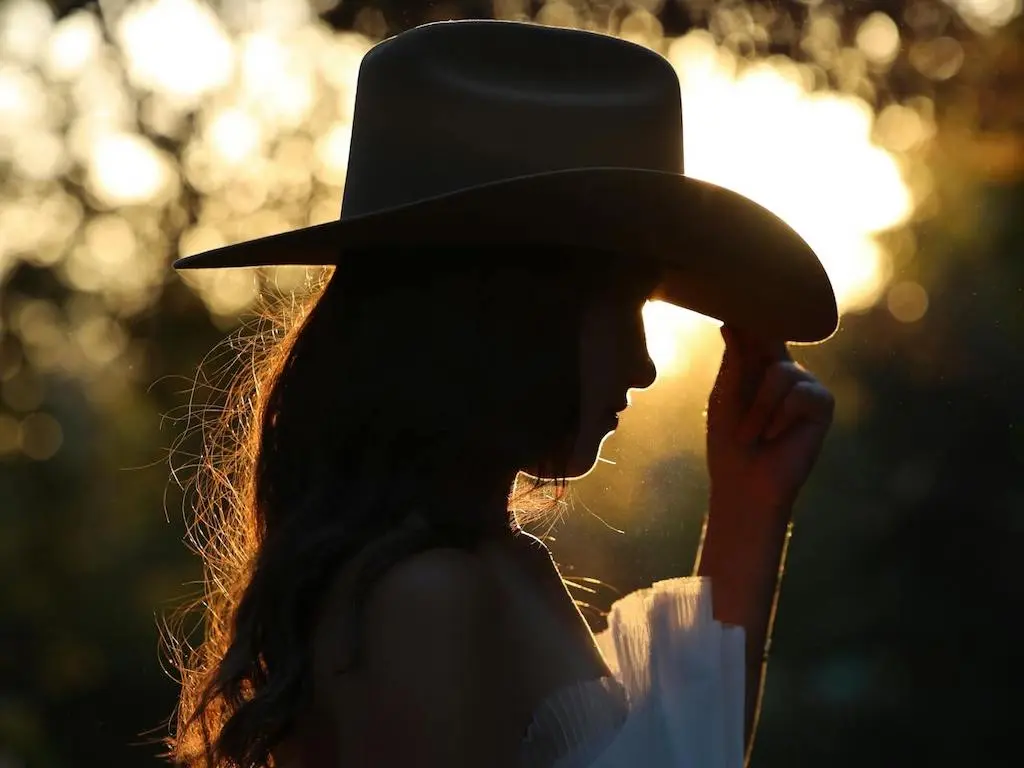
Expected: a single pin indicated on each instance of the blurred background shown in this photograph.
(889, 133)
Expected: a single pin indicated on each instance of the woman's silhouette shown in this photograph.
(371, 600)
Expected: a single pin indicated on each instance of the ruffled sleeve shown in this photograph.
(683, 673)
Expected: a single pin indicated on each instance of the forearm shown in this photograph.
(742, 551)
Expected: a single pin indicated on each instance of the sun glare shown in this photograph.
(808, 157)
(176, 47)
(127, 169)
(75, 41)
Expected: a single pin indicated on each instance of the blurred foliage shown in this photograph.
(895, 637)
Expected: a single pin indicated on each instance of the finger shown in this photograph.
(744, 363)
(806, 401)
(776, 384)
(729, 371)
(726, 390)
(754, 347)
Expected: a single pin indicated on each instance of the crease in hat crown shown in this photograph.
(457, 104)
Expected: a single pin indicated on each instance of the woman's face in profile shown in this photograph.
(613, 360)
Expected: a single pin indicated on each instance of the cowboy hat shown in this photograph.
(482, 132)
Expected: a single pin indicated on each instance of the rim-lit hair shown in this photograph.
(374, 416)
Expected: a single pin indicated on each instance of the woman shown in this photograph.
(371, 600)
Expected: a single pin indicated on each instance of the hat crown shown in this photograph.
(452, 105)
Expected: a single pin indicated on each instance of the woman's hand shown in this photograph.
(767, 420)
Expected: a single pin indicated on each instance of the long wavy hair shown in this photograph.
(365, 420)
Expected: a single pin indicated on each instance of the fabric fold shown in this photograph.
(681, 675)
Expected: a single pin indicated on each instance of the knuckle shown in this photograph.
(783, 368)
(812, 395)
(780, 374)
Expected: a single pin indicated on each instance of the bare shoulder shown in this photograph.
(424, 598)
(440, 591)
(447, 567)
(433, 669)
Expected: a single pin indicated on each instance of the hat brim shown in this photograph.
(725, 256)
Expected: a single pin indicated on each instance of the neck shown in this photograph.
(481, 503)
(493, 506)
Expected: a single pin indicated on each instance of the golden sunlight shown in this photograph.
(75, 41)
(176, 47)
(985, 15)
(235, 135)
(24, 28)
(127, 169)
(667, 326)
(878, 38)
(808, 157)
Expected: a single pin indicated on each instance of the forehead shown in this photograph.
(572, 269)
(630, 279)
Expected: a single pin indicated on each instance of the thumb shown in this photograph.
(744, 361)
(730, 370)
(727, 389)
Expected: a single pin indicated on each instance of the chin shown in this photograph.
(583, 462)
(578, 471)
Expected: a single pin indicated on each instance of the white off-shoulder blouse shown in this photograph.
(675, 699)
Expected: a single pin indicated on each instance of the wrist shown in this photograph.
(742, 539)
(739, 508)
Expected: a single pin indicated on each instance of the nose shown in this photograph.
(645, 372)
